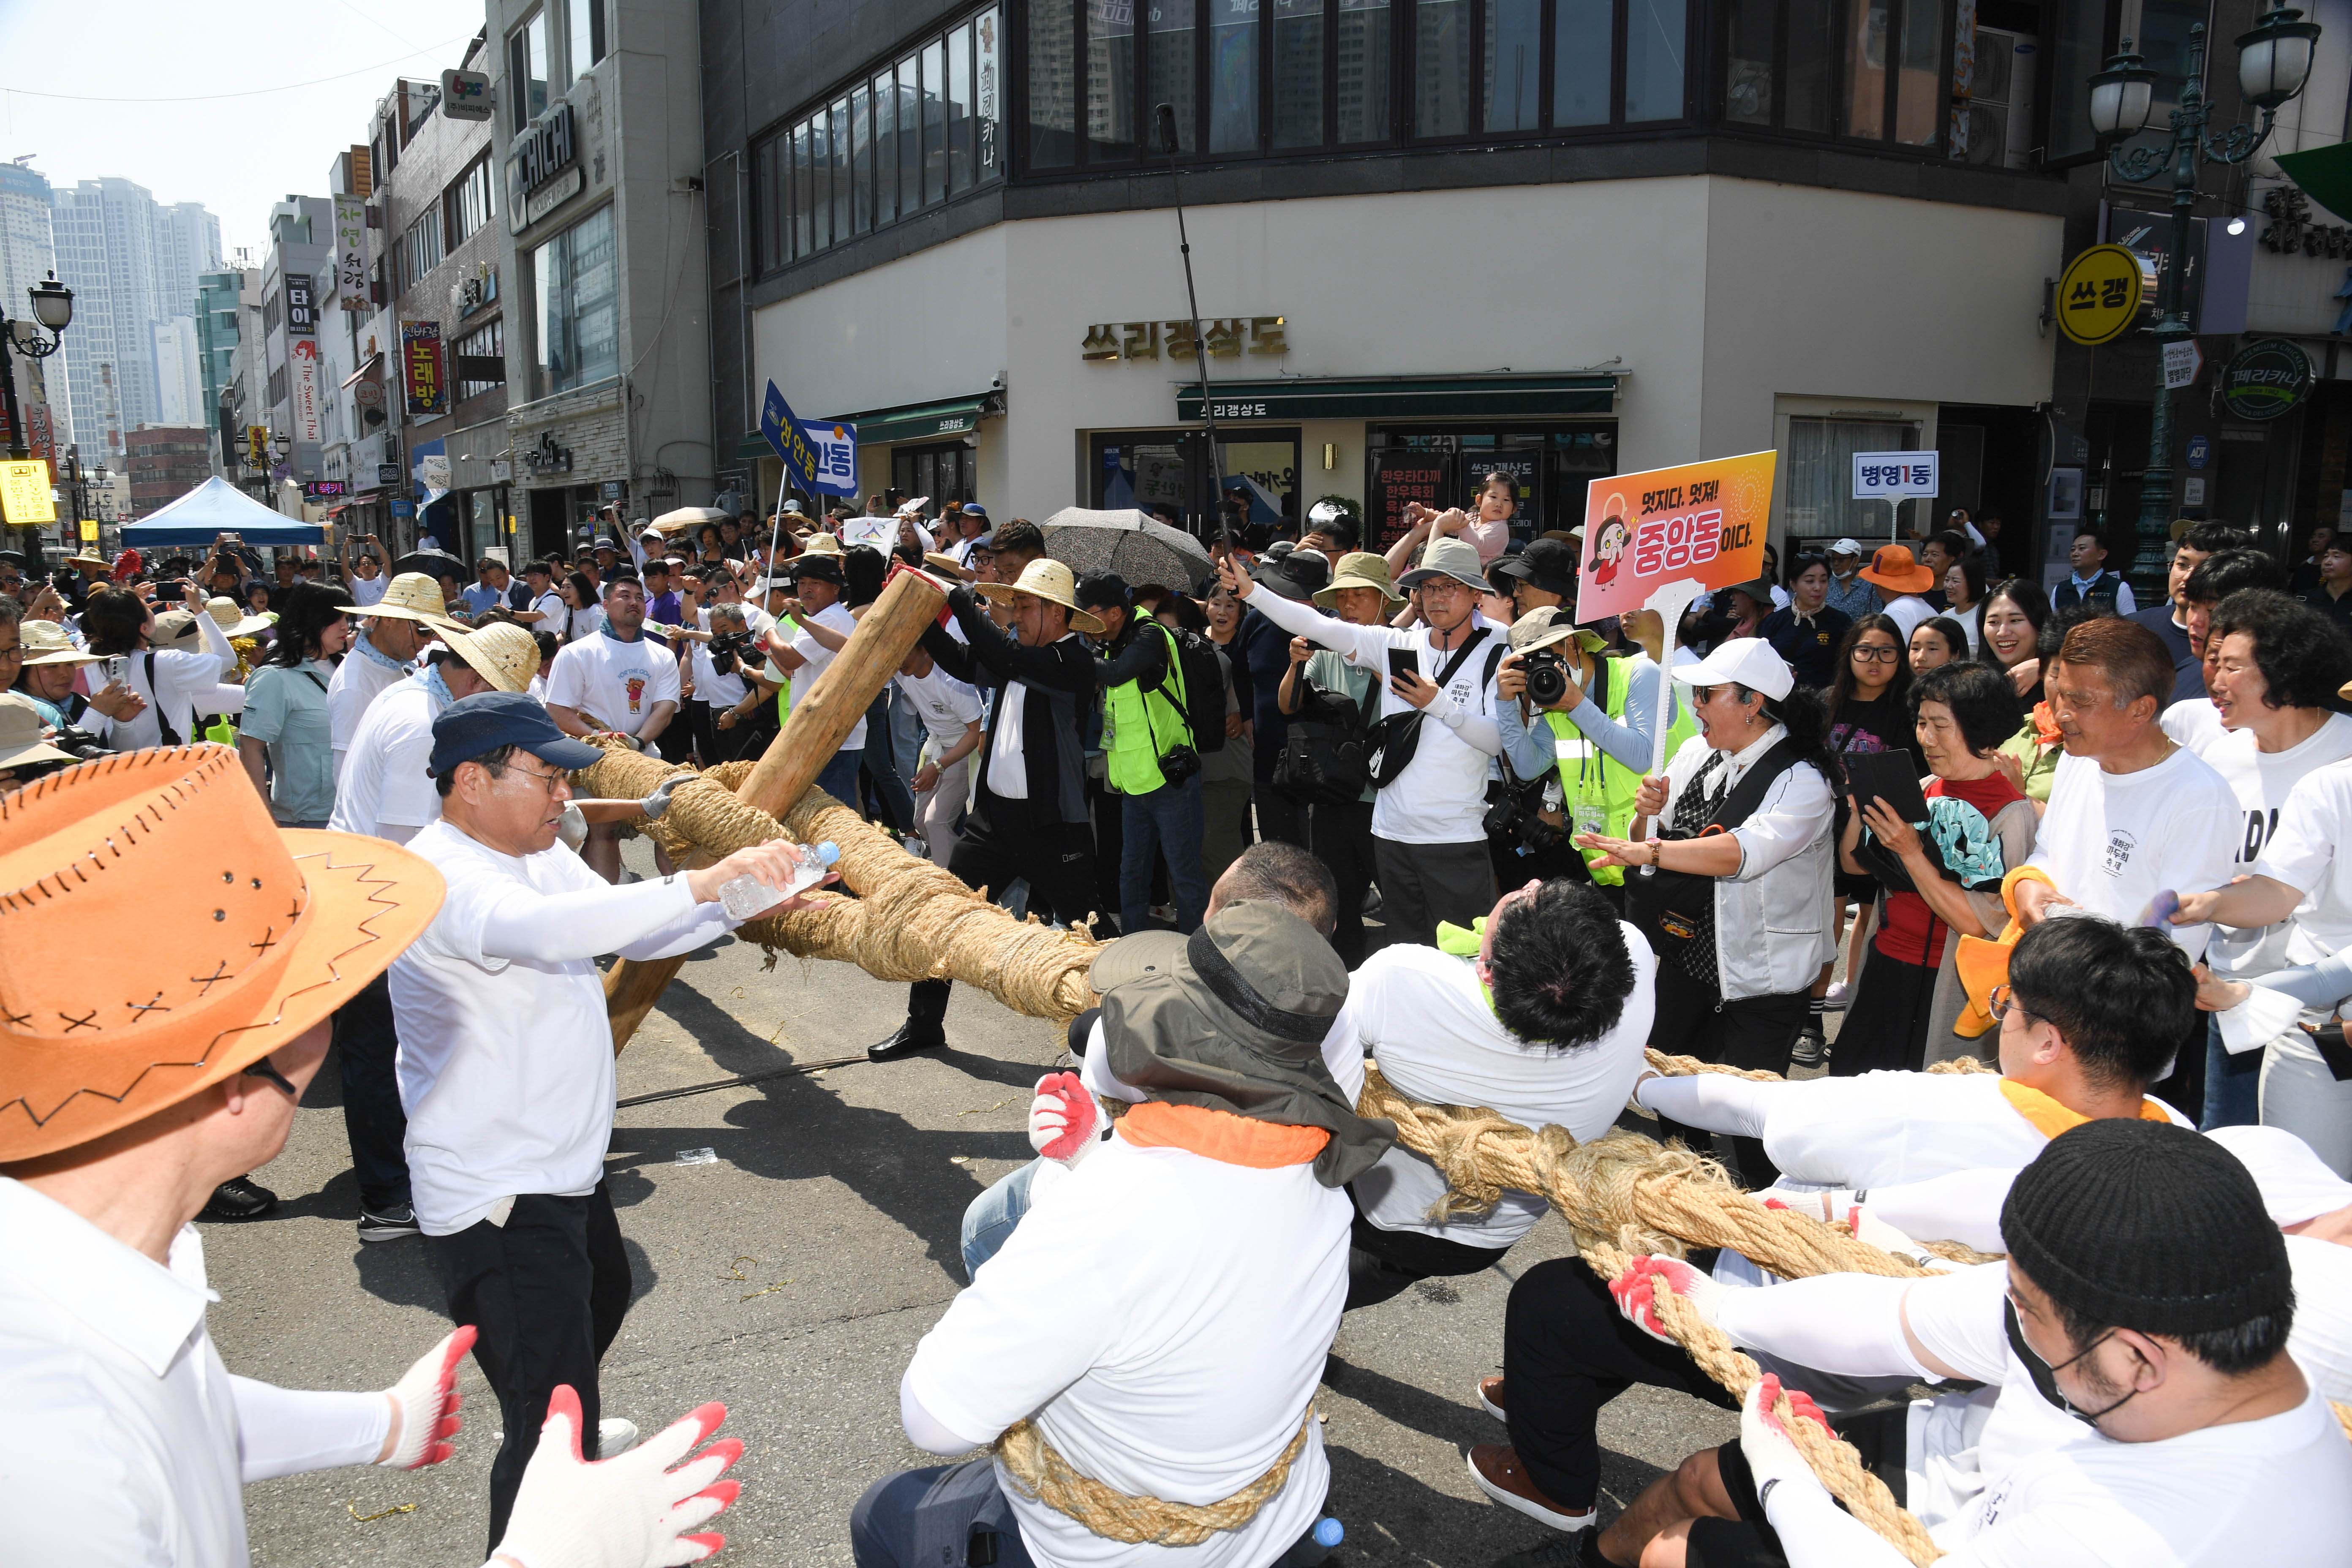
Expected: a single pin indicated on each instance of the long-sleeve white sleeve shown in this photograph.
(1959, 1205)
(288, 1431)
(1299, 620)
(1851, 1324)
(1816, 1533)
(925, 1430)
(641, 920)
(1715, 1100)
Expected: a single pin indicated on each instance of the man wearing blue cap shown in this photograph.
(506, 1059)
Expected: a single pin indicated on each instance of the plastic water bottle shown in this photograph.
(746, 898)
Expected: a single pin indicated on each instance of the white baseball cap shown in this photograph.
(1847, 547)
(1748, 661)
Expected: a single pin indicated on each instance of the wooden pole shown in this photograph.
(820, 720)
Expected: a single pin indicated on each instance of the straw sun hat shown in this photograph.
(1051, 581)
(232, 621)
(501, 653)
(247, 935)
(410, 597)
(46, 642)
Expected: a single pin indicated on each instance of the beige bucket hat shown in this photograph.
(20, 734)
(410, 597)
(1359, 569)
(501, 653)
(1051, 581)
(46, 642)
(1548, 625)
(821, 543)
(232, 621)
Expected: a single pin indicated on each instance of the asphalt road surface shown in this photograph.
(792, 1277)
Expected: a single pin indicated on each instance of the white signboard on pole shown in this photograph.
(2181, 364)
(1894, 475)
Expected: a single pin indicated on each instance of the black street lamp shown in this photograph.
(2274, 63)
(79, 480)
(52, 310)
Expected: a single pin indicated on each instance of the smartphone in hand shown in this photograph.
(1403, 663)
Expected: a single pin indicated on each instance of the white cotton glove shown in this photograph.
(1636, 1293)
(1869, 1227)
(1773, 1455)
(624, 1512)
(427, 1398)
(1063, 1119)
(2262, 1018)
(573, 828)
(653, 805)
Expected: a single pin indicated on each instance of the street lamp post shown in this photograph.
(2274, 63)
(52, 310)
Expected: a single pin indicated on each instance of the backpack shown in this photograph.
(1204, 687)
(1327, 750)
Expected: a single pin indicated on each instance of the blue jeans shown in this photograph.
(839, 778)
(905, 733)
(1168, 820)
(890, 789)
(2233, 1081)
(992, 1215)
(920, 1518)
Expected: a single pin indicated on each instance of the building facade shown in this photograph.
(132, 265)
(597, 136)
(164, 463)
(29, 249)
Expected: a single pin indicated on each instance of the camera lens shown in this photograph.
(1547, 681)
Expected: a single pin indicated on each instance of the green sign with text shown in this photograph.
(2265, 379)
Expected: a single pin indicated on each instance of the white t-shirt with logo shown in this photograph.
(616, 683)
(833, 617)
(1177, 1364)
(2262, 782)
(946, 705)
(384, 782)
(1429, 1027)
(2112, 841)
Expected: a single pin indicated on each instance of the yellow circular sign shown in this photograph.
(2100, 295)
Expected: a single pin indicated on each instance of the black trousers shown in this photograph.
(1693, 1020)
(1384, 1263)
(1340, 836)
(1278, 816)
(1004, 839)
(366, 1043)
(1566, 1351)
(1886, 1025)
(546, 1293)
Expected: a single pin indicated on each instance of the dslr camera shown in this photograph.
(1546, 677)
(727, 650)
(1512, 822)
(1178, 764)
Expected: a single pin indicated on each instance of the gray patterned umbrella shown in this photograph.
(1139, 548)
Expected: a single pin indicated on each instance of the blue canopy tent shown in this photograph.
(215, 507)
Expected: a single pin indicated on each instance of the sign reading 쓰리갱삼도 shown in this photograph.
(1703, 522)
(24, 498)
(2099, 295)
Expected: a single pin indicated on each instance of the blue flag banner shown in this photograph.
(837, 458)
(785, 434)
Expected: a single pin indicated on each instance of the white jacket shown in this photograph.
(1772, 917)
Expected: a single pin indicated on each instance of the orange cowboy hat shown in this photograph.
(246, 936)
(1892, 567)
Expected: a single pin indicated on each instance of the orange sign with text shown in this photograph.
(1702, 523)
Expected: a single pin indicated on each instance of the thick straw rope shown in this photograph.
(1043, 1474)
(911, 921)
(1624, 1196)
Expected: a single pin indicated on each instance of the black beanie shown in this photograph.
(2146, 1226)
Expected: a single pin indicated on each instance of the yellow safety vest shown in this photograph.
(1598, 788)
(1138, 724)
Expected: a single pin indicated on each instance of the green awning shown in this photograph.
(909, 422)
(2325, 173)
(1406, 397)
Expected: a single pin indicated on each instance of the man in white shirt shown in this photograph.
(617, 681)
(400, 621)
(1179, 1365)
(127, 1442)
(2086, 1022)
(950, 711)
(823, 625)
(1539, 1013)
(1429, 836)
(506, 1059)
(2090, 581)
(1904, 582)
(2141, 1403)
(546, 609)
(365, 573)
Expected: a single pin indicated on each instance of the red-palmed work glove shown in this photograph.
(1063, 1119)
(624, 1512)
(1637, 1289)
(1773, 1455)
(427, 1398)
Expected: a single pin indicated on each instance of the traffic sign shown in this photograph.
(2099, 295)
(25, 497)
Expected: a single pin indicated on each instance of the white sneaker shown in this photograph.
(1834, 999)
(614, 1435)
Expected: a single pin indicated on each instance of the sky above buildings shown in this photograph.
(233, 107)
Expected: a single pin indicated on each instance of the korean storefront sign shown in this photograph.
(24, 498)
(308, 416)
(301, 308)
(420, 358)
(351, 254)
(1228, 337)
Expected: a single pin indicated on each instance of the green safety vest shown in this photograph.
(787, 626)
(1596, 782)
(1136, 721)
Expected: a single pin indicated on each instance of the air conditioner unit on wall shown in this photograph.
(1999, 119)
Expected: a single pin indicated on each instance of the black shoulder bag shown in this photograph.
(1327, 752)
(170, 737)
(1395, 739)
(1675, 910)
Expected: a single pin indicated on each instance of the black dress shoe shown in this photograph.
(912, 1036)
(239, 1198)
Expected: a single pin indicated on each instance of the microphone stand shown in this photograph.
(1166, 117)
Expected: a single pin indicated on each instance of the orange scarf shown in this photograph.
(2045, 728)
(2049, 1118)
(1221, 1135)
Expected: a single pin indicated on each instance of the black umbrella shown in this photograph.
(1139, 548)
(434, 563)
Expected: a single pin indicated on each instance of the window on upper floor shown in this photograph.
(481, 365)
(466, 205)
(577, 306)
(528, 68)
(908, 134)
(421, 249)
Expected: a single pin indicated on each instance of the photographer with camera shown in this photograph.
(1740, 921)
(1149, 752)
